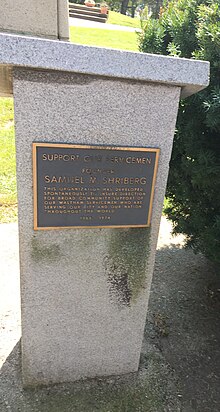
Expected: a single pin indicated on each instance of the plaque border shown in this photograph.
(77, 146)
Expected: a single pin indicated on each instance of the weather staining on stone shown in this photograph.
(119, 289)
(126, 263)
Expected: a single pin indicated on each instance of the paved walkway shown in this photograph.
(95, 25)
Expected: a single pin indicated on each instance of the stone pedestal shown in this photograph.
(43, 18)
(40, 18)
(85, 291)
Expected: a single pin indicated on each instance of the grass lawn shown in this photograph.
(104, 38)
(121, 20)
(8, 190)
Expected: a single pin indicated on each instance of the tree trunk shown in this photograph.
(154, 7)
(133, 8)
(124, 6)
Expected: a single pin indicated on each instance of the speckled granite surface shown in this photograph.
(191, 75)
(75, 321)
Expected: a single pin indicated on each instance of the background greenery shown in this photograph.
(129, 7)
(122, 20)
(191, 28)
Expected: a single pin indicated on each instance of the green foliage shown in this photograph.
(191, 28)
(114, 5)
(154, 41)
(154, 7)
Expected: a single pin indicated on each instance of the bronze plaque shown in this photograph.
(77, 186)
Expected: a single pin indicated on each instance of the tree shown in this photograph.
(130, 5)
(114, 5)
(124, 6)
(191, 28)
(154, 7)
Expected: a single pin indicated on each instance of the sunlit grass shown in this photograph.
(122, 20)
(104, 38)
(8, 190)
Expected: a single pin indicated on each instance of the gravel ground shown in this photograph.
(179, 368)
(184, 313)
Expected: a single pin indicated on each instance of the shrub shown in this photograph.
(191, 28)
